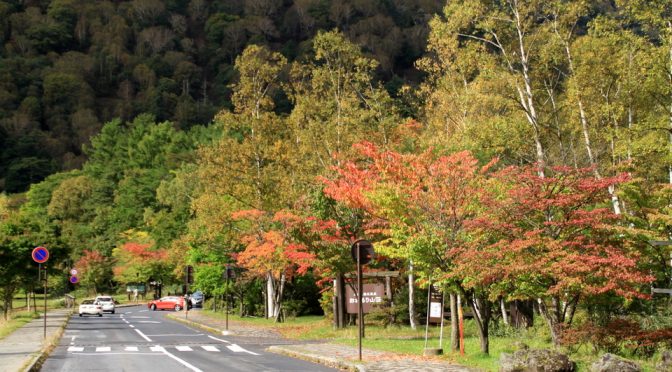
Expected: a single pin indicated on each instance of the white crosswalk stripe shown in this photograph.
(156, 348)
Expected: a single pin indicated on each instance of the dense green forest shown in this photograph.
(506, 151)
(67, 66)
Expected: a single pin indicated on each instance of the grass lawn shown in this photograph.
(404, 340)
(15, 321)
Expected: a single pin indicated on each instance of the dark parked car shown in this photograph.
(197, 299)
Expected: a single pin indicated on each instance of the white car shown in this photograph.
(106, 302)
(90, 307)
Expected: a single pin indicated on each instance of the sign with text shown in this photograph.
(435, 305)
(373, 294)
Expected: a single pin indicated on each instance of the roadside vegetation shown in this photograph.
(405, 340)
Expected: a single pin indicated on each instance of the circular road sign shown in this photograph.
(73, 272)
(365, 251)
(40, 255)
(74, 279)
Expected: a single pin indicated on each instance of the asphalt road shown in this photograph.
(136, 339)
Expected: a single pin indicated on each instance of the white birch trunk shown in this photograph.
(411, 294)
(270, 296)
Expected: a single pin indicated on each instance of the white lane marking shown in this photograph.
(183, 362)
(237, 349)
(218, 339)
(209, 348)
(184, 348)
(119, 353)
(143, 335)
(143, 311)
(103, 348)
(149, 321)
(132, 326)
(177, 334)
(156, 348)
(141, 317)
(131, 348)
(75, 348)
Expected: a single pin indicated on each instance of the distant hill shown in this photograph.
(68, 66)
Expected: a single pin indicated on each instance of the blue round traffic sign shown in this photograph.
(74, 279)
(40, 255)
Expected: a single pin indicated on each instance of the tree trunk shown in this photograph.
(412, 316)
(482, 314)
(270, 296)
(278, 299)
(454, 335)
(505, 315)
(550, 321)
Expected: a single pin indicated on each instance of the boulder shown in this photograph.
(535, 361)
(612, 363)
(665, 364)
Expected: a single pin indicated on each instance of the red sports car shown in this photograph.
(167, 303)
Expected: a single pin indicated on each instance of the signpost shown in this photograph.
(372, 294)
(362, 252)
(41, 255)
(228, 274)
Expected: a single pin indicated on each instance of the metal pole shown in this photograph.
(45, 300)
(429, 296)
(443, 304)
(227, 300)
(360, 310)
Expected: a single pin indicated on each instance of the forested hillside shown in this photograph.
(506, 151)
(68, 66)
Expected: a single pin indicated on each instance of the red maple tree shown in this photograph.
(553, 239)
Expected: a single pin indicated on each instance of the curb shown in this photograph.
(43, 354)
(320, 359)
(199, 325)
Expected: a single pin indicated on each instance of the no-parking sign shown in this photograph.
(40, 255)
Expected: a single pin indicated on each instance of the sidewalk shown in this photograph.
(26, 348)
(334, 355)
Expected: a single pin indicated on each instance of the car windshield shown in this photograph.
(105, 299)
(87, 302)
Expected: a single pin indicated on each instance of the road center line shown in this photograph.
(218, 339)
(132, 326)
(143, 335)
(183, 362)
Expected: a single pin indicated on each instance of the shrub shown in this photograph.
(618, 335)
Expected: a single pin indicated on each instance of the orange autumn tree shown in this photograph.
(92, 266)
(422, 203)
(138, 262)
(271, 252)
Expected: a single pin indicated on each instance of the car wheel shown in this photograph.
(100, 315)
(178, 308)
(153, 307)
(112, 311)
(80, 315)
